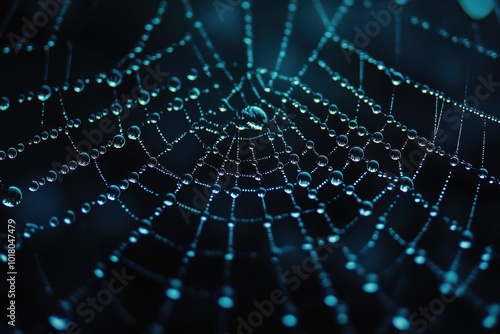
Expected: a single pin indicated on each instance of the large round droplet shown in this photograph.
(170, 199)
(134, 132)
(401, 322)
(235, 192)
(395, 154)
(114, 78)
(69, 217)
(377, 137)
(342, 140)
(144, 226)
(304, 179)
(83, 159)
(251, 117)
(356, 154)
(405, 184)
(336, 177)
(372, 166)
(454, 161)
(467, 239)
(44, 93)
(174, 84)
(294, 159)
(366, 208)
(60, 317)
(4, 103)
(113, 192)
(118, 141)
(12, 197)
(322, 161)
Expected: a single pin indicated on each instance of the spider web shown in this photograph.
(223, 157)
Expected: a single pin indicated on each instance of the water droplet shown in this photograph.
(144, 97)
(187, 179)
(401, 323)
(86, 208)
(336, 178)
(114, 78)
(322, 161)
(454, 161)
(192, 74)
(376, 109)
(251, 117)
(83, 159)
(69, 217)
(12, 197)
(144, 226)
(483, 173)
(4, 103)
(412, 134)
(405, 184)
(134, 132)
(53, 221)
(467, 239)
(294, 159)
(395, 154)
(356, 154)
(372, 166)
(396, 78)
(12, 153)
(174, 84)
(44, 93)
(113, 192)
(342, 140)
(304, 179)
(289, 320)
(366, 208)
(235, 192)
(118, 141)
(133, 177)
(59, 319)
(333, 109)
(434, 211)
(377, 137)
(170, 199)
